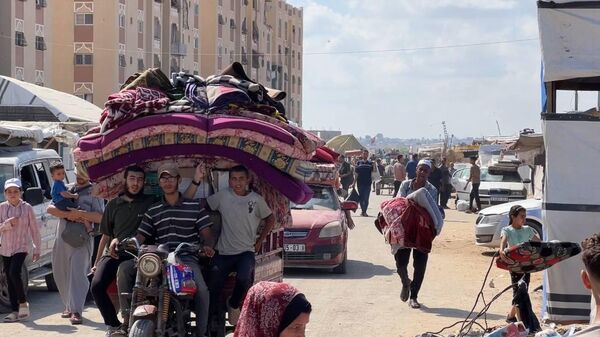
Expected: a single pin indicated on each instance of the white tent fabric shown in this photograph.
(567, 38)
(65, 107)
(571, 206)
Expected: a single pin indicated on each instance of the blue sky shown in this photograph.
(409, 93)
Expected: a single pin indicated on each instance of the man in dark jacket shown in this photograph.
(435, 177)
(364, 170)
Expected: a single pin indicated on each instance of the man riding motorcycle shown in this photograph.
(172, 221)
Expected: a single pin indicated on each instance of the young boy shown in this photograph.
(60, 196)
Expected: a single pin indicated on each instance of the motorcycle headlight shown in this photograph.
(150, 265)
(331, 230)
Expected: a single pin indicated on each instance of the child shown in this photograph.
(18, 227)
(60, 196)
(516, 233)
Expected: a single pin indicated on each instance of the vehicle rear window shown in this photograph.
(323, 199)
(6, 172)
(508, 177)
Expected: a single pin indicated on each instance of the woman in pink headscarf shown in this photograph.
(273, 310)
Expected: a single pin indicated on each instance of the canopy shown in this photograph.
(26, 101)
(568, 30)
(343, 143)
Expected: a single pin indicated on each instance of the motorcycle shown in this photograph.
(161, 303)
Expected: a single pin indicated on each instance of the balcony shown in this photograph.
(178, 49)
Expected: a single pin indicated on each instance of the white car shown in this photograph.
(491, 220)
(494, 188)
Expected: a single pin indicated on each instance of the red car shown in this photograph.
(319, 234)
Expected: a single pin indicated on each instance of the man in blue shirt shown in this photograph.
(411, 167)
(364, 170)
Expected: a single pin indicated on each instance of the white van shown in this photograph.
(32, 166)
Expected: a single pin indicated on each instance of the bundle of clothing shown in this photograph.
(220, 121)
(411, 222)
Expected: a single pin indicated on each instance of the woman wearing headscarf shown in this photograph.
(273, 309)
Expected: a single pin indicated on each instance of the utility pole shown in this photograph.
(498, 126)
(445, 147)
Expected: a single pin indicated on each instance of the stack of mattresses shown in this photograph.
(218, 122)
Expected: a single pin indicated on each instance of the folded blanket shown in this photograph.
(406, 225)
(424, 199)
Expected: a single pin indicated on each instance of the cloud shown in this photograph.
(409, 93)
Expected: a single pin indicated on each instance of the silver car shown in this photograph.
(494, 188)
(491, 220)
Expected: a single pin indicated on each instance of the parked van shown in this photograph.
(32, 166)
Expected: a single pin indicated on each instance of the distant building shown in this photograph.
(326, 135)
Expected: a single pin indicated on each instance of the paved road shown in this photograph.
(364, 302)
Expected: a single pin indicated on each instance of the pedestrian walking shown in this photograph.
(399, 173)
(475, 180)
(18, 229)
(273, 309)
(346, 175)
(446, 185)
(411, 166)
(435, 177)
(364, 171)
(590, 277)
(410, 289)
(514, 234)
(71, 260)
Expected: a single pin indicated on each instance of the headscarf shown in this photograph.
(264, 309)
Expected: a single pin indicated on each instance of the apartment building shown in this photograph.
(24, 50)
(98, 44)
(264, 35)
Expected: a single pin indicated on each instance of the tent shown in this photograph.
(343, 143)
(23, 101)
(571, 203)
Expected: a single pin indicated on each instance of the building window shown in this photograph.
(140, 26)
(40, 44)
(279, 29)
(286, 31)
(156, 28)
(122, 21)
(20, 39)
(232, 6)
(87, 97)
(220, 58)
(299, 61)
(40, 3)
(141, 65)
(293, 58)
(231, 30)
(244, 27)
(293, 34)
(84, 19)
(293, 83)
(84, 59)
(122, 61)
(197, 9)
(156, 61)
(196, 43)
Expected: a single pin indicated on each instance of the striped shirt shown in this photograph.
(18, 239)
(174, 224)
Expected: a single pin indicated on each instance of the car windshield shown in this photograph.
(323, 199)
(507, 177)
(6, 172)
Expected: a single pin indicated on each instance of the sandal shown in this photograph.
(76, 318)
(11, 318)
(65, 314)
(23, 311)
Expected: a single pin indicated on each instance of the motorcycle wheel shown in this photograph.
(142, 328)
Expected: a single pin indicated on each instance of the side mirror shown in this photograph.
(349, 205)
(33, 196)
(526, 181)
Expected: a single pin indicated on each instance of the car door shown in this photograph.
(459, 180)
(48, 231)
(30, 179)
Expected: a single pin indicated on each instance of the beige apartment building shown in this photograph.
(89, 48)
(264, 35)
(24, 53)
(98, 44)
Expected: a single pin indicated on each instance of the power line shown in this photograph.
(343, 52)
(451, 46)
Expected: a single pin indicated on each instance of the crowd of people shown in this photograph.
(265, 309)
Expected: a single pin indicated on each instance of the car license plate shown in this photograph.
(498, 198)
(294, 248)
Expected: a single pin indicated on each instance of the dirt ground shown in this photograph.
(363, 302)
